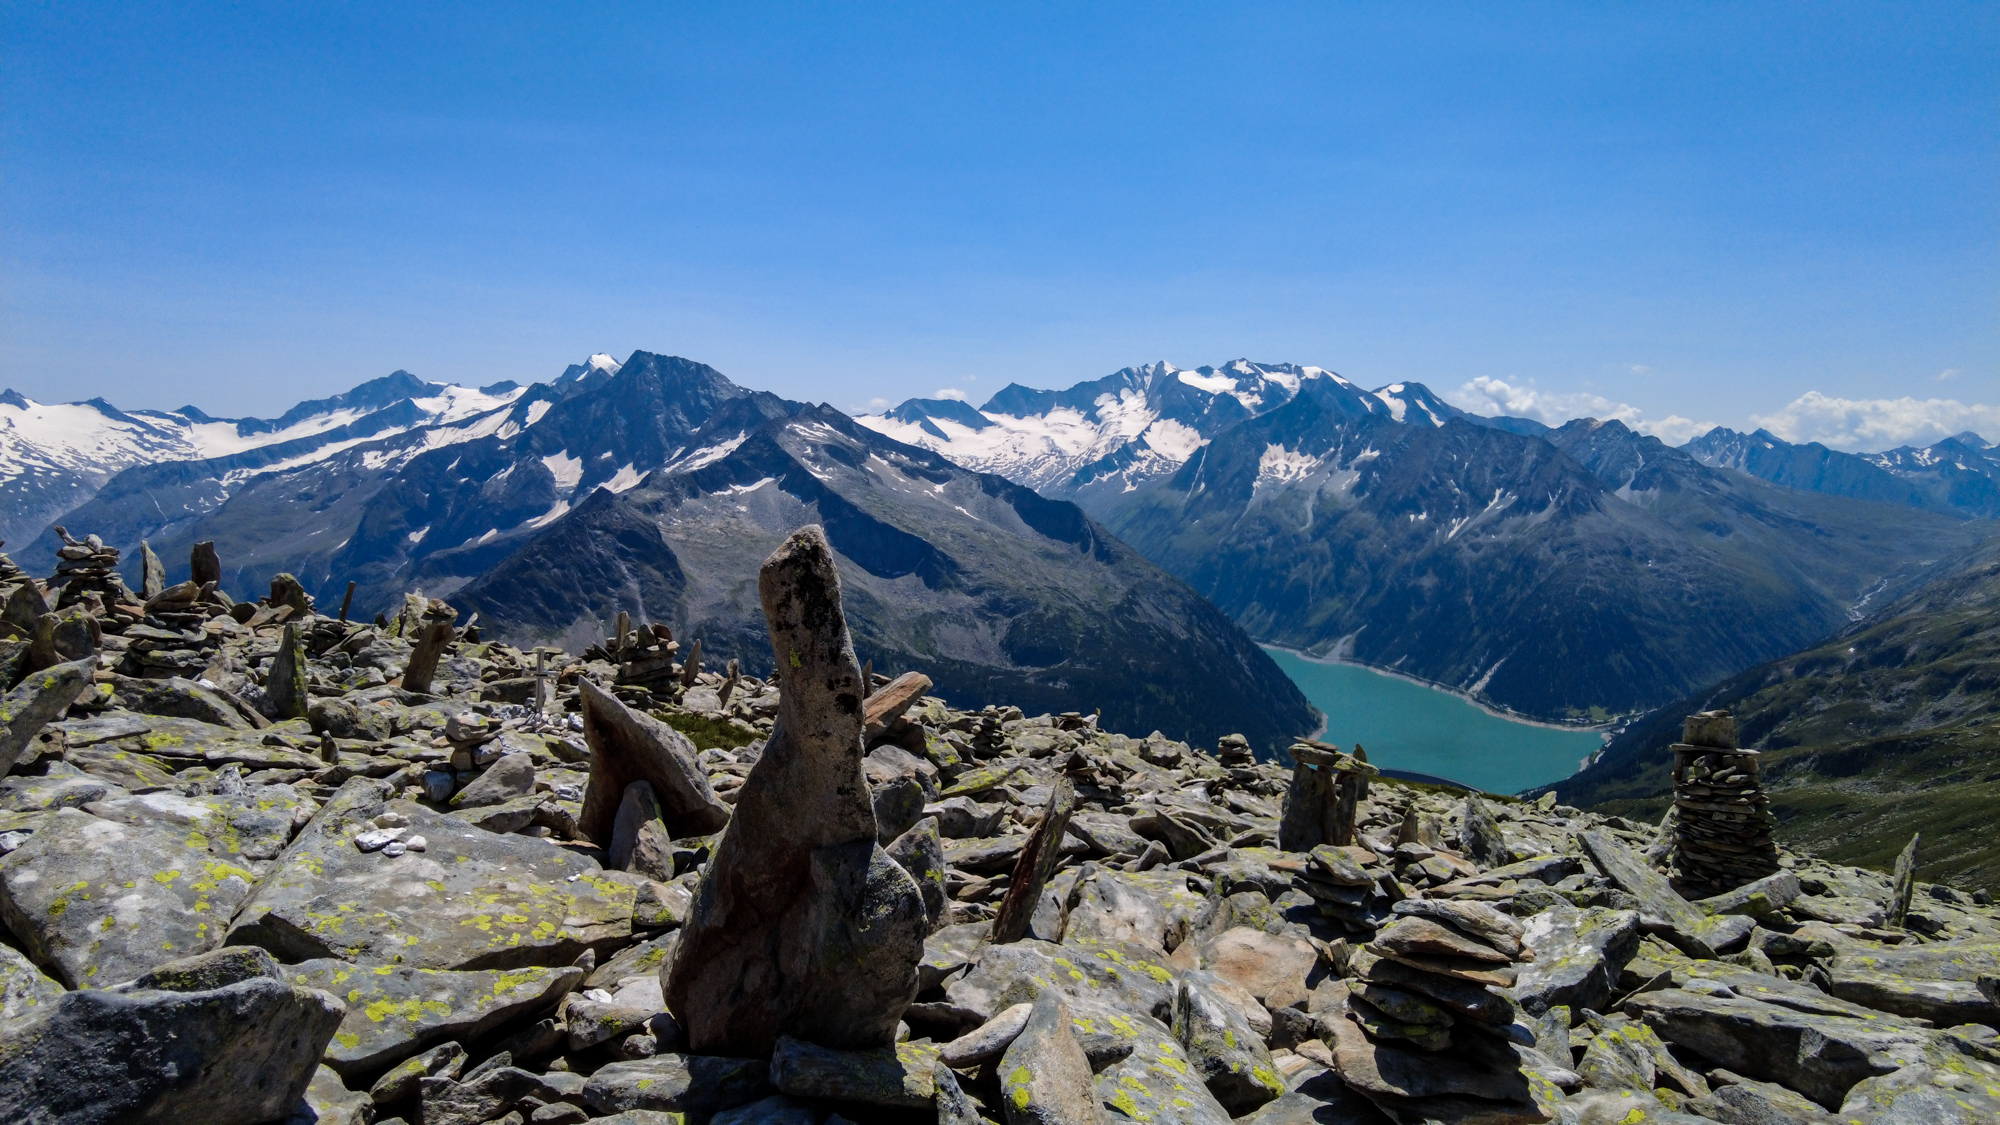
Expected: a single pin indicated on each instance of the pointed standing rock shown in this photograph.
(285, 689)
(803, 925)
(626, 746)
(152, 572)
(1905, 882)
(203, 564)
(1034, 866)
(429, 649)
(1483, 839)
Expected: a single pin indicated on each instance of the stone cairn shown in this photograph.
(1723, 821)
(1425, 996)
(85, 567)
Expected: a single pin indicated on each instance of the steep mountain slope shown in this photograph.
(1960, 474)
(1593, 573)
(976, 581)
(54, 458)
(1889, 728)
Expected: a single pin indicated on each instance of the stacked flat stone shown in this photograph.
(9, 573)
(1427, 999)
(84, 567)
(1723, 824)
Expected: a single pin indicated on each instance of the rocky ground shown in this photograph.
(265, 865)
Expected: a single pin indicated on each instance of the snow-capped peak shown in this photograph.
(603, 362)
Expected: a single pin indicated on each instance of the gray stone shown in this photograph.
(203, 971)
(989, 1040)
(802, 925)
(1819, 1056)
(962, 818)
(254, 825)
(920, 852)
(1045, 1077)
(63, 787)
(1750, 1102)
(647, 957)
(678, 1084)
(23, 988)
(179, 698)
(472, 900)
(285, 694)
(1225, 1051)
(1463, 999)
(1128, 977)
(482, 1096)
(1154, 1080)
(395, 1014)
(98, 902)
(1108, 907)
(37, 701)
(899, 803)
(346, 717)
(954, 1107)
(1661, 908)
(1477, 1066)
(1484, 841)
(238, 1055)
(894, 1077)
(592, 1021)
(401, 1082)
(1758, 899)
(637, 808)
(510, 777)
(328, 1101)
(1579, 955)
(152, 572)
(626, 746)
(1950, 1085)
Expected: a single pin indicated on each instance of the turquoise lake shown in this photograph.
(1407, 726)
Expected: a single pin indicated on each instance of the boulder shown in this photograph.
(395, 1014)
(1661, 908)
(1128, 977)
(509, 778)
(177, 697)
(285, 693)
(803, 925)
(1579, 955)
(1155, 1080)
(920, 852)
(1045, 1077)
(97, 902)
(1819, 1056)
(1223, 1049)
(242, 1054)
(328, 1101)
(471, 900)
(626, 746)
(1278, 969)
(23, 987)
(36, 702)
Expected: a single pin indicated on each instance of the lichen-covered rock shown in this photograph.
(471, 900)
(242, 1054)
(1228, 1057)
(1129, 977)
(37, 701)
(97, 902)
(23, 987)
(1045, 1077)
(394, 1012)
(896, 1077)
(1578, 956)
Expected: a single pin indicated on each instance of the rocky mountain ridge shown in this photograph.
(1960, 474)
(378, 874)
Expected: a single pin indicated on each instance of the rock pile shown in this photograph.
(1722, 819)
(833, 898)
(87, 571)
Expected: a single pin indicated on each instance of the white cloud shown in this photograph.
(1949, 373)
(876, 405)
(1490, 396)
(951, 393)
(1871, 424)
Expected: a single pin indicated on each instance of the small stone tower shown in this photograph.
(1722, 818)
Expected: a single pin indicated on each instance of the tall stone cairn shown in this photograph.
(1722, 835)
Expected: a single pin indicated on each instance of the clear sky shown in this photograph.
(1678, 214)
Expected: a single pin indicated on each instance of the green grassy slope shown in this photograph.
(1893, 727)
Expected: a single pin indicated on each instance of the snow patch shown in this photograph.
(566, 469)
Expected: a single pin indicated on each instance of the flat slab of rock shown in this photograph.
(237, 1055)
(395, 1014)
(1819, 1056)
(1128, 977)
(472, 900)
(23, 987)
(255, 825)
(98, 902)
(1578, 957)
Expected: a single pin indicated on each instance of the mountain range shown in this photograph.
(655, 486)
(1579, 573)
(1960, 474)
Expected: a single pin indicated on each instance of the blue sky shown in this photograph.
(1674, 214)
